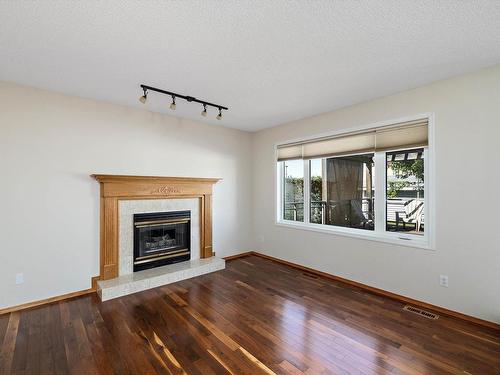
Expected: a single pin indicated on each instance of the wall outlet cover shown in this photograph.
(443, 280)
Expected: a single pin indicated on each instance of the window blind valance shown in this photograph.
(403, 135)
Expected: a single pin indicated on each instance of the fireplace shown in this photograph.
(161, 238)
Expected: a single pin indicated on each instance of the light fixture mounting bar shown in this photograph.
(185, 97)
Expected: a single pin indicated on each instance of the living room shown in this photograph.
(245, 188)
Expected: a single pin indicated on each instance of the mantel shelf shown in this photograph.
(161, 179)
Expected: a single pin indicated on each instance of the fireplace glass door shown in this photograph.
(161, 238)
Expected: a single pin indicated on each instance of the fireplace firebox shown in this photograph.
(161, 238)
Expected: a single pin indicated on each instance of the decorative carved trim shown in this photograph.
(118, 187)
(167, 190)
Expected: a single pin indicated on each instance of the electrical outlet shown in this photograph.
(260, 239)
(443, 280)
(19, 278)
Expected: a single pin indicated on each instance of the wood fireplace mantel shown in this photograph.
(118, 187)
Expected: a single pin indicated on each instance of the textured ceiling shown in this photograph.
(269, 61)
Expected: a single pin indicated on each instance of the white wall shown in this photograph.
(467, 160)
(51, 143)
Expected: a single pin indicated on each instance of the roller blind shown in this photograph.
(402, 135)
(414, 134)
(289, 152)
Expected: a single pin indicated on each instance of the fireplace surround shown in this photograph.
(116, 189)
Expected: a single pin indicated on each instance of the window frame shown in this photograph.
(426, 241)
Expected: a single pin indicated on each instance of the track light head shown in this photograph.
(144, 97)
(219, 116)
(204, 112)
(173, 106)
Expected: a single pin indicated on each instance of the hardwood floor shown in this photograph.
(255, 317)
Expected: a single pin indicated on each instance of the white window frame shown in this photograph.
(425, 241)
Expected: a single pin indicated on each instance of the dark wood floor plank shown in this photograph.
(255, 317)
(9, 343)
(34, 346)
(4, 322)
(19, 361)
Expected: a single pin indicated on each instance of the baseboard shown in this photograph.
(241, 255)
(381, 292)
(46, 301)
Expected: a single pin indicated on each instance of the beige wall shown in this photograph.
(467, 157)
(51, 143)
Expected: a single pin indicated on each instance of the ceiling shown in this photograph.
(270, 62)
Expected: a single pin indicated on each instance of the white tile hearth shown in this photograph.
(152, 278)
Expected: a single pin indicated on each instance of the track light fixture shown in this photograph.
(188, 98)
(144, 97)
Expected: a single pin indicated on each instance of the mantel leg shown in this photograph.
(207, 249)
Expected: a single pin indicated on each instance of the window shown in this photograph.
(372, 182)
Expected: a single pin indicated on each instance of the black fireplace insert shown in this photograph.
(161, 238)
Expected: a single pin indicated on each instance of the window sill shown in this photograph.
(358, 233)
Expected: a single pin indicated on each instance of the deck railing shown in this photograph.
(319, 209)
(395, 208)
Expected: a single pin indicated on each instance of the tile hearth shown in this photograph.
(155, 277)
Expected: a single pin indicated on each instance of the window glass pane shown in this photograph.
(405, 191)
(293, 188)
(342, 191)
(316, 187)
